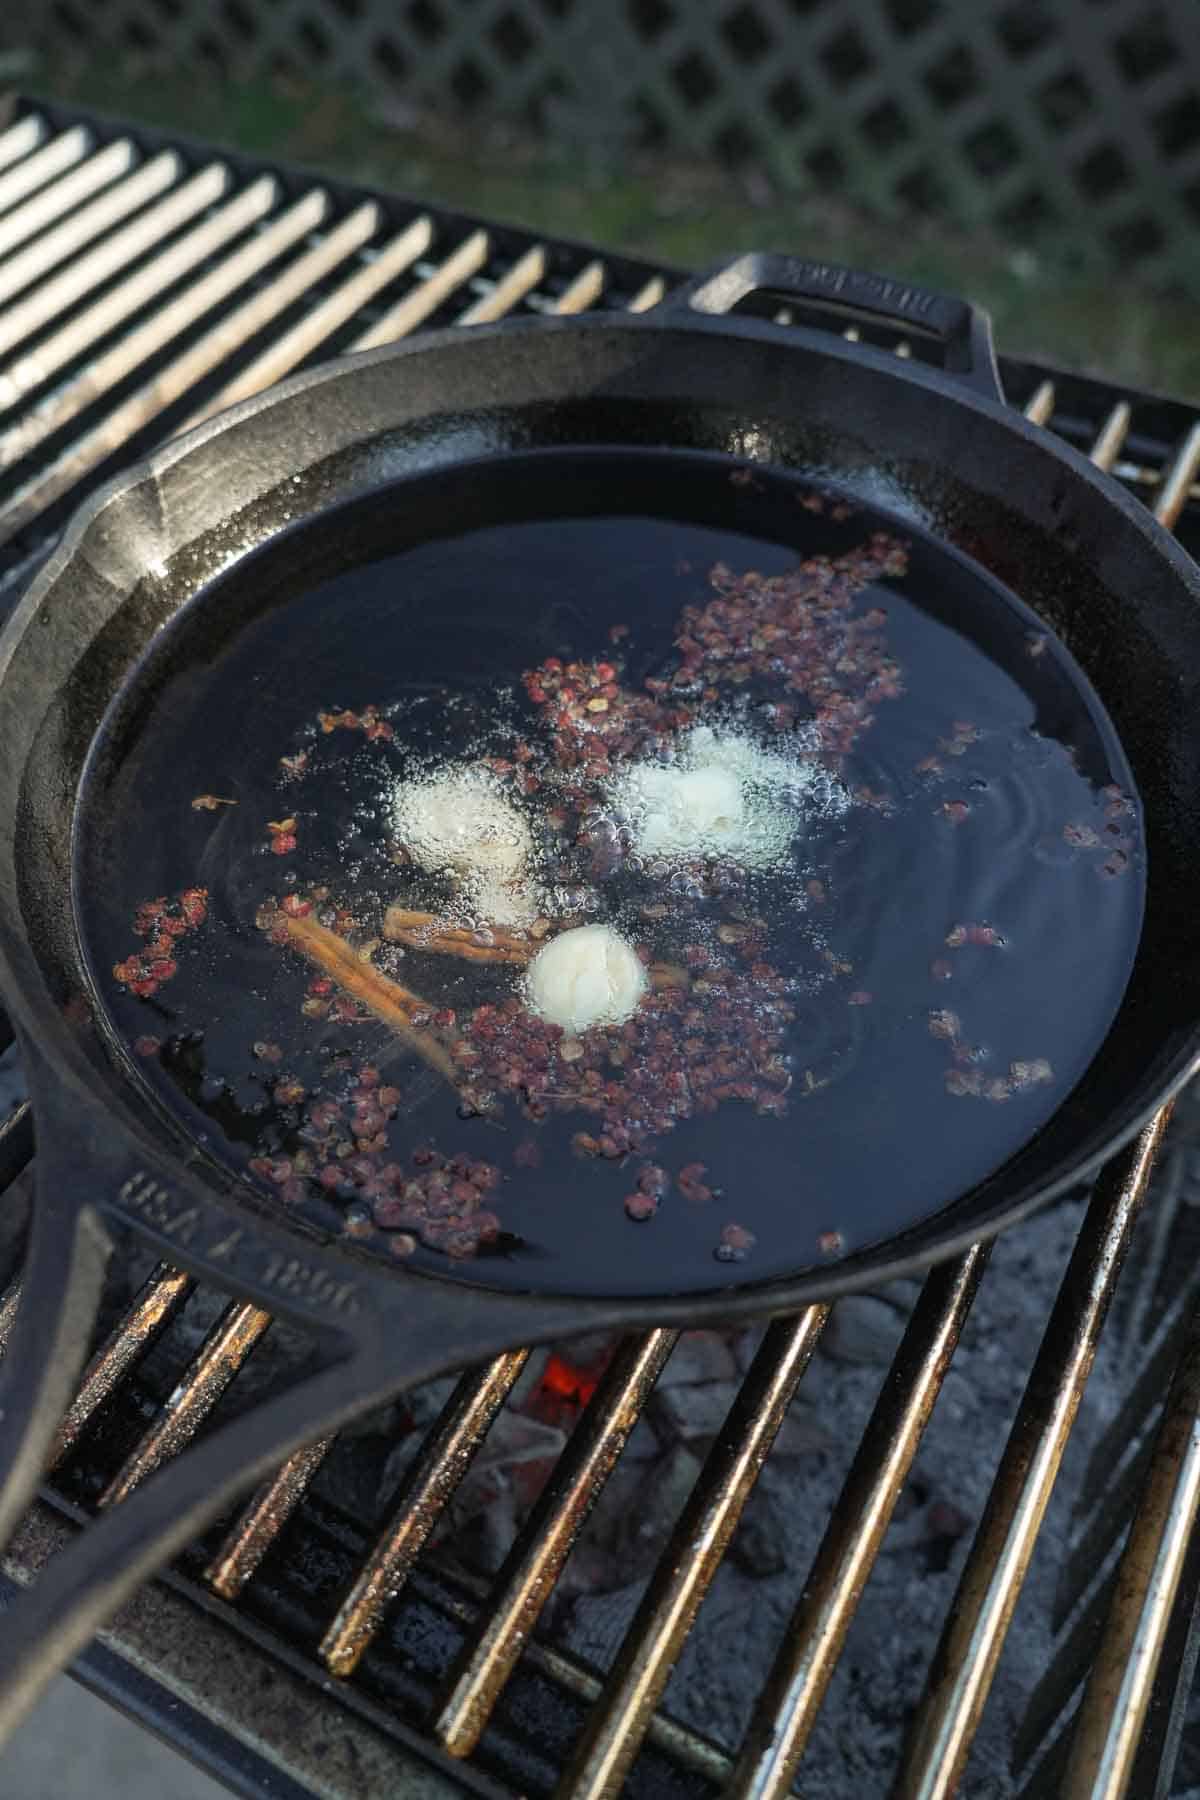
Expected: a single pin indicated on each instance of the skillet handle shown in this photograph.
(963, 331)
(360, 1354)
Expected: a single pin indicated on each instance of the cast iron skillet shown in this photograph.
(932, 445)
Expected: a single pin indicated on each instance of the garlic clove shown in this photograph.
(585, 977)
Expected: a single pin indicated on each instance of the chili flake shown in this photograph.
(165, 923)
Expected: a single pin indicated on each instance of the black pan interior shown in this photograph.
(434, 597)
(1085, 563)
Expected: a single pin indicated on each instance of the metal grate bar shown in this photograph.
(1167, 1202)
(1156, 1361)
(416, 307)
(287, 352)
(71, 236)
(647, 1655)
(1115, 430)
(990, 1585)
(543, 1545)
(264, 1518)
(791, 1700)
(116, 253)
(218, 1360)
(74, 339)
(509, 291)
(1155, 1767)
(1040, 404)
(240, 325)
(1054, 1690)
(1177, 480)
(20, 139)
(1111, 1513)
(18, 226)
(160, 1300)
(583, 291)
(54, 159)
(1113, 1711)
(1121, 1589)
(171, 383)
(460, 1429)
(649, 295)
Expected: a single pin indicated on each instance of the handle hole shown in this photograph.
(919, 344)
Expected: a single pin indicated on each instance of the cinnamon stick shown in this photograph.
(393, 1004)
(424, 931)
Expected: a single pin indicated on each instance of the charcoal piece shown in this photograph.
(863, 1329)
(759, 1546)
(699, 1356)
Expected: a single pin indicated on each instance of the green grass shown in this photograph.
(1043, 302)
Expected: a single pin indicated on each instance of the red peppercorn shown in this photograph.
(194, 905)
(653, 1180)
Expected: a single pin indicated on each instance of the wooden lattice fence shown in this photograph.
(1079, 118)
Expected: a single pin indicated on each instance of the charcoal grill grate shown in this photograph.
(145, 283)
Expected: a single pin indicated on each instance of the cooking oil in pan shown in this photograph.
(610, 873)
